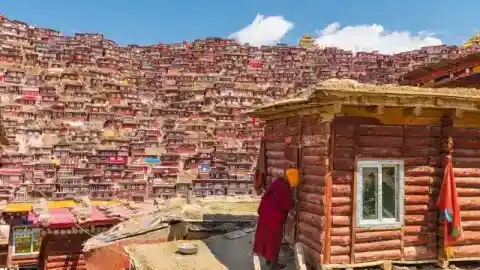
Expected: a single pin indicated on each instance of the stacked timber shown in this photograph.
(64, 252)
(62, 262)
(276, 161)
(312, 195)
(293, 133)
(20, 260)
(423, 170)
(466, 164)
(342, 186)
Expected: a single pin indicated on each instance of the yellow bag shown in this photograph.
(293, 177)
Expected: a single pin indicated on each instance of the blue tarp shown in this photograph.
(152, 160)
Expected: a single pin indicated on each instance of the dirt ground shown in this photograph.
(237, 254)
(215, 253)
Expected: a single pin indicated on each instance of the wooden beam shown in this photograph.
(337, 107)
(459, 113)
(380, 109)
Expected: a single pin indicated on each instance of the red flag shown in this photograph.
(448, 205)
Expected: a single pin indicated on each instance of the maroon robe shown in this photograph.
(272, 214)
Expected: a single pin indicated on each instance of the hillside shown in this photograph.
(106, 113)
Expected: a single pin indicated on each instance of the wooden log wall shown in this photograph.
(21, 260)
(283, 139)
(63, 252)
(3, 255)
(419, 147)
(312, 193)
(342, 193)
(466, 164)
(281, 150)
(423, 171)
(276, 162)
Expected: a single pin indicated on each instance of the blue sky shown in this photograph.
(150, 21)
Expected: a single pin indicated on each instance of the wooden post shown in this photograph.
(256, 263)
(402, 232)
(353, 219)
(299, 257)
(328, 196)
(446, 122)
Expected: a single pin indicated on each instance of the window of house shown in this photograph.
(26, 241)
(380, 193)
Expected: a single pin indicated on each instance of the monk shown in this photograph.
(272, 214)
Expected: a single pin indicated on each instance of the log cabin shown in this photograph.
(371, 163)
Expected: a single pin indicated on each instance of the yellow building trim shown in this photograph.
(25, 207)
(474, 40)
(476, 69)
(307, 41)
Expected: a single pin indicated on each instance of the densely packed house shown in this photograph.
(85, 116)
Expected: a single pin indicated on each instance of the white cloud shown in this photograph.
(373, 37)
(264, 30)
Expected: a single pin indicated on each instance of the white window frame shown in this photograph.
(399, 196)
(29, 231)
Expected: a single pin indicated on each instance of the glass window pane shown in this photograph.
(37, 241)
(389, 184)
(369, 195)
(23, 243)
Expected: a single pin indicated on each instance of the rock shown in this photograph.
(234, 235)
(193, 211)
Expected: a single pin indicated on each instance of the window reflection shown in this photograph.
(388, 192)
(370, 179)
